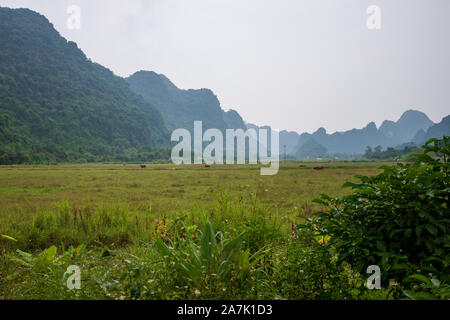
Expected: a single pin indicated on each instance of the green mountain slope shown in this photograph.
(55, 104)
(180, 108)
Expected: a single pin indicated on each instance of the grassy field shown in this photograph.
(168, 188)
(108, 218)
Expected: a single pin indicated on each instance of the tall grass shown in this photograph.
(237, 248)
(111, 225)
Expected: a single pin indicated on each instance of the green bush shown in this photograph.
(307, 270)
(398, 220)
(423, 288)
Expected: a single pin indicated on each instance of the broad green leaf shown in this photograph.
(431, 229)
(4, 236)
(435, 282)
(421, 278)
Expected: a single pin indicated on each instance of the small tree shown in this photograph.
(369, 152)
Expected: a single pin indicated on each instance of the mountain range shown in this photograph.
(355, 141)
(413, 128)
(57, 105)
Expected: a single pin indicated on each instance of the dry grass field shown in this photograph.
(169, 188)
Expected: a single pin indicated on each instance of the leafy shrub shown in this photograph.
(430, 289)
(308, 270)
(398, 220)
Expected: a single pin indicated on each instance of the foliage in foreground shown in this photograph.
(398, 220)
(185, 258)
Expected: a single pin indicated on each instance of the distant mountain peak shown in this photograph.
(371, 126)
(414, 115)
(321, 131)
(405, 129)
(151, 76)
(387, 126)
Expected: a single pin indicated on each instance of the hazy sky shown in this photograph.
(292, 64)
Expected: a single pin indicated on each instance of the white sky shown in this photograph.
(292, 64)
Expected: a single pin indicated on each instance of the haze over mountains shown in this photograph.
(406, 127)
(355, 141)
(55, 104)
(436, 131)
(180, 108)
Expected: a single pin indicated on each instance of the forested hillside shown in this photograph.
(57, 105)
(180, 108)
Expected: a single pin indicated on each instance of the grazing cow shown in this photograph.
(207, 166)
(143, 166)
(319, 168)
(302, 166)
